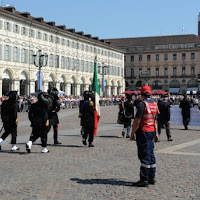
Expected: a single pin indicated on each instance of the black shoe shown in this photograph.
(84, 141)
(127, 136)
(152, 181)
(141, 183)
(170, 139)
(0, 148)
(90, 145)
(56, 142)
(28, 148)
(123, 133)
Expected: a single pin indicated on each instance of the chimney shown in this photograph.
(199, 25)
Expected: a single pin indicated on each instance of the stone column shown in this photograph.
(45, 86)
(58, 86)
(1, 88)
(78, 89)
(115, 90)
(32, 86)
(16, 86)
(109, 91)
(68, 89)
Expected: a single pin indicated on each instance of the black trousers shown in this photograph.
(89, 131)
(167, 128)
(186, 121)
(55, 132)
(10, 128)
(41, 132)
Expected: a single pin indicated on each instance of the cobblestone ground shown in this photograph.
(72, 171)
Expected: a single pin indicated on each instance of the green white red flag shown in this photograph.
(95, 88)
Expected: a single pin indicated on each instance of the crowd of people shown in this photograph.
(150, 114)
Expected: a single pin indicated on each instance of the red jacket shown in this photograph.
(149, 117)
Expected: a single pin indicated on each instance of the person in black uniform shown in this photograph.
(53, 116)
(38, 115)
(86, 113)
(9, 118)
(185, 105)
(164, 116)
(128, 115)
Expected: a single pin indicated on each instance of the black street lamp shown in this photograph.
(146, 76)
(40, 61)
(103, 72)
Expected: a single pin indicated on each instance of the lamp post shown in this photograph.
(146, 77)
(40, 61)
(103, 72)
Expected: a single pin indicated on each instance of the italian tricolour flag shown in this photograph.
(95, 88)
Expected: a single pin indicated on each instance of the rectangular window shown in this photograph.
(148, 57)
(165, 56)
(39, 35)
(23, 31)
(62, 62)
(192, 71)
(132, 58)
(15, 28)
(157, 72)
(174, 56)
(57, 40)
(51, 38)
(165, 72)
(24, 55)
(183, 71)
(31, 59)
(192, 56)
(183, 56)
(148, 71)
(140, 57)
(7, 52)
(132, 72)
(157, 57)
(32, 33)
(174, 71)
(7, 26)
(45, 37)
(57, 61)
(140, 72)
(51, 60)
(63, 42)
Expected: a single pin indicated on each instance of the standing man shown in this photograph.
(9, 118)
(185, 105)
(38, 115)
(86, 113)
(164, 116)
(128, 115)
(53, 116)
(145, 127)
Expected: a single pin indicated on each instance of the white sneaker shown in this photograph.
(14, 148)
(44, 150)
(28, 146)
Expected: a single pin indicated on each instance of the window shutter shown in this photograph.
(53, 60)
(26, 56)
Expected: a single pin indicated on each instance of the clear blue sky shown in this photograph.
(117, 18)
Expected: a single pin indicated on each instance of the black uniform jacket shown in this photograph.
(9, 111)
(38, 115)
(53, 116)
(164, 109)
(185, 105)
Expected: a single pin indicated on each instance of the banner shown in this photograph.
(103, 84)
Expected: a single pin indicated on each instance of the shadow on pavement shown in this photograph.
(60, 145)
(13, 152)
(102, 181)
(108, 136)
(182, 129)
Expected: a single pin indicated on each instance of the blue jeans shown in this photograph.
(145, 143)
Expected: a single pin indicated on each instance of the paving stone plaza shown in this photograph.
(72, 171)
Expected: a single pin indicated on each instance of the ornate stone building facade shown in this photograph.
(70, 56)
(170, 63)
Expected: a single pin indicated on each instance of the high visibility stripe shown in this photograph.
(153, 166)
(147, 106)
(149, 115)
(144, 165)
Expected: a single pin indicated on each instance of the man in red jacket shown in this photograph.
(145, 127)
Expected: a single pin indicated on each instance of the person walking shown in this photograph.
(164, 116)
(128, 115)
(185, 106)
(53, 116)
(145, 127)
(9, 109)
(38, 115)
(86, 113)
